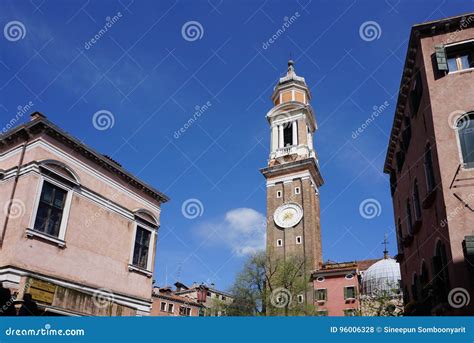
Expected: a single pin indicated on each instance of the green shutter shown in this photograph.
(345, 292)
(440, 52)
(326, 294)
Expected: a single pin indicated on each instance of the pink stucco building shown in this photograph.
(430, 159)
(166, 303)
(77, 231)
(337, 287)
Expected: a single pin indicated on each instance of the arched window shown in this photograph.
(146, 225)
(465, 129)
(429, 172)
(414, 287)
(440, 272)
(400, 236)
(287, 135)
(59, 170)
(416, 201)
(406, 295)
(409, 218)
(424, 280)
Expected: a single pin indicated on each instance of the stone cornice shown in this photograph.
(42, 125)
(418, 31)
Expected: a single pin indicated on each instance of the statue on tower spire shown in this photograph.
(291, 68)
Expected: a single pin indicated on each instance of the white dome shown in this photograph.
(382, 276)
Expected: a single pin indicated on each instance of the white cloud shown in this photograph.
(241, 229)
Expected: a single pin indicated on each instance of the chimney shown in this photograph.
(37, 116)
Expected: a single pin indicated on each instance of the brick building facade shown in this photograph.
(293, 177)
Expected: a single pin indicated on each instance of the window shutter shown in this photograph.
(468, 247)
(345, 292)
(441, 57)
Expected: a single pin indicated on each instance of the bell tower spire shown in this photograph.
(291, 119)
(293, 176)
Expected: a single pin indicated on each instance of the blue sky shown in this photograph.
(151, 79)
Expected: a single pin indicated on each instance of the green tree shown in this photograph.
(249, 288)
(266, 287)
(287, 288)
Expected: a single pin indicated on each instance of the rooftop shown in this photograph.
(40, 124)
(431, 28)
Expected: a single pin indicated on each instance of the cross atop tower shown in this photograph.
(385, 243)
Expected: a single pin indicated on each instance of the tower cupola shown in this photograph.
(291, 87)
(291, 119)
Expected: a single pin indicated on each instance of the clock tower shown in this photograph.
(293, 176)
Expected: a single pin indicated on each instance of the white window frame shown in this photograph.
(458, 140)
(355, 292)
(170, 307)
(185, 308)
(161, 307)
(326, 295)
(279, 242)
(300, 298)
(31, 232)
(300, 240)
(297, 190)
(279, 194)
(151, 248)
(447, 46)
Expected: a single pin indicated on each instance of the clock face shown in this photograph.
(288, 215)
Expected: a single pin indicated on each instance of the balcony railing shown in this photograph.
(286, 150)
